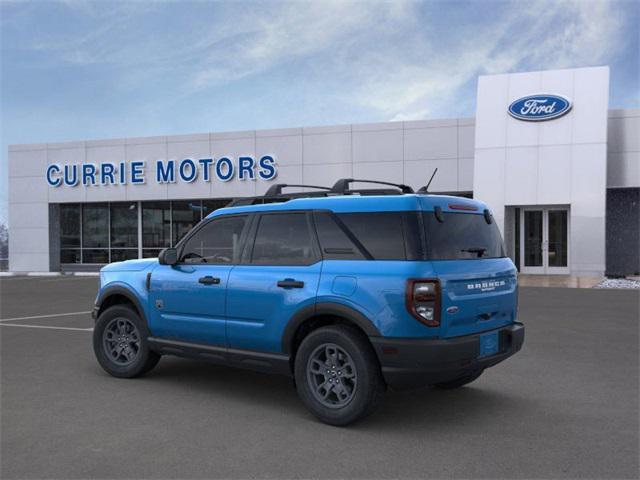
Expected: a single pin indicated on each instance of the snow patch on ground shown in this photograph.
(618, 283)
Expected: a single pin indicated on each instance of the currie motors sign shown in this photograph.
(540, 107)
(187, 170)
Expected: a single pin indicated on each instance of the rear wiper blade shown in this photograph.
(480, 251)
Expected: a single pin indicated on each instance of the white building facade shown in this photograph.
(560, 171)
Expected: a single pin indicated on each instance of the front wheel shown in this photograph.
(120, 343)
(337, 375)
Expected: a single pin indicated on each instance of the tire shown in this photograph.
(122, 323)
(461, 381)
(339, 364)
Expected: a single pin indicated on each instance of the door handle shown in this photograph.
(290, 283)
(209, 280)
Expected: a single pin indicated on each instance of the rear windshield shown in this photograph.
(461, 236)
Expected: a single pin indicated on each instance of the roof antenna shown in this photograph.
(425, 189)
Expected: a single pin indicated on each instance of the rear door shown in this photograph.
(279, 275)
(478, 282)
(187, 301)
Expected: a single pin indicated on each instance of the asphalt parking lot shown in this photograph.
(566, 406)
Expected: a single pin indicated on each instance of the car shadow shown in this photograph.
(427, 408)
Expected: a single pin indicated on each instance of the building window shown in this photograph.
(209, 206)
(184, 216)
(95, 225)
(124, 231)
(156, 227)
(108, 232)
(95, 233)
(70, 239)
(95, 255)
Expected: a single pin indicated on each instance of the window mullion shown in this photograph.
(109, 232)
(81, 234)
(139, 229)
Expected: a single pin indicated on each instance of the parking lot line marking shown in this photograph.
(35, 317)
(46, 326)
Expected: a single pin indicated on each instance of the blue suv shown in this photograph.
(347, 291)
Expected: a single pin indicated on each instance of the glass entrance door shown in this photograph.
(544, 240)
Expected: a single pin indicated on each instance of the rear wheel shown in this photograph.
(461, 381)
(337, 375)
(120, 343)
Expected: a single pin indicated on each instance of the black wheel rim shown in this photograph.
(121, 340)
(331, 375)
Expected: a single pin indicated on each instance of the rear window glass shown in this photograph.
(283, 239)
(461, 236)
(334, 241)
(381, 234)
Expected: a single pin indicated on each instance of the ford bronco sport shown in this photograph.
(347, 291)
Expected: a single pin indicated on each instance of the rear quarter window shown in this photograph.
(380, 233)
(334, 239)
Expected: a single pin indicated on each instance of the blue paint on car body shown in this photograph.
(424, 278)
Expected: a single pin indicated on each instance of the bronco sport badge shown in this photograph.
(486, 286)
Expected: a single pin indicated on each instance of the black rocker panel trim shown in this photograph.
(249, 359)
(325, 308)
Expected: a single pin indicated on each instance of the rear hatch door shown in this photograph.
(477, 295)
(478, 282)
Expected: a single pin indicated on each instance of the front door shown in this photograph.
(544, 241)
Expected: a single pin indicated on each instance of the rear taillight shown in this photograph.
(423, 301)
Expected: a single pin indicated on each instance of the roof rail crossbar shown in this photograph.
(275, 190)
(342, 185)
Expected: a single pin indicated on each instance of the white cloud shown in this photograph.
(294, 31)
(390, 57)
(528, 36)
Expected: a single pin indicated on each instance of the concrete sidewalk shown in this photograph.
(558, 281)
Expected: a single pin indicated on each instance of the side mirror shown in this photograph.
(168, 256)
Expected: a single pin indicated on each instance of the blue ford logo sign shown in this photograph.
(536, 108)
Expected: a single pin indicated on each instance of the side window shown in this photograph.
(283, 239)
(334, 242)
(216, 242)
(381, 233)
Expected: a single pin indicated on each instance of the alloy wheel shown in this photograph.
(331, 375)
(121, 340)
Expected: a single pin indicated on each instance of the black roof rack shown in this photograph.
(342, 185)
(276, 189)
(275, 194)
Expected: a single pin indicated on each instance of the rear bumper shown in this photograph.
(412, 363)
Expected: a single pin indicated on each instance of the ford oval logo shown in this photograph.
(536, 108)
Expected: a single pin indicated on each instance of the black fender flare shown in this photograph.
(119, 290)
(325, 308)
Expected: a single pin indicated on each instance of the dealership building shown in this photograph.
(559, 170)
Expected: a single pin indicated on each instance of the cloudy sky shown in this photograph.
(74, 70)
